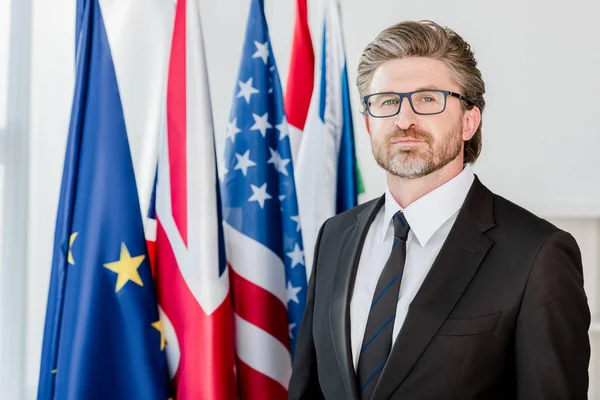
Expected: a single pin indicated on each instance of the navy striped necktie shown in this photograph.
(377, 341)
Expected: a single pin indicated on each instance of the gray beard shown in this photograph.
(411, 164)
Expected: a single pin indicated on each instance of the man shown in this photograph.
(440, 289)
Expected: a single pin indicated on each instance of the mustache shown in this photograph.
(409, 133)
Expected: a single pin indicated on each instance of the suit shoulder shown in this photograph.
(348, 217)
(521, 221)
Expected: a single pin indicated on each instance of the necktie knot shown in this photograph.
(401, 226)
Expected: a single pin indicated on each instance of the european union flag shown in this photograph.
(103, 337)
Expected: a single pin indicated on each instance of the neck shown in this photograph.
(406, 191)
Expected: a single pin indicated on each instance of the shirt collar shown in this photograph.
(427, 214)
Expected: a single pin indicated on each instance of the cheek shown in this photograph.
(434, 128)
(442, 127)
(438, 134)
(379, 128)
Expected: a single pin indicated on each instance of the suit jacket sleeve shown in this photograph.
(304, 383)
(552, 343)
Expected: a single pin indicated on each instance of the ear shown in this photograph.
(366, 117)
(471, 121)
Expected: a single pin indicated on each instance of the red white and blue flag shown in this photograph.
(328, 178)
(262, 229)
(299, 89)
(190, 267)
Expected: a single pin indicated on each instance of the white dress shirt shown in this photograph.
(430, 218)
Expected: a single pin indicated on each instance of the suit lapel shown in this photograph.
(343, 285)
(450, 274)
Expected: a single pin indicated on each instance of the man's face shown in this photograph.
(410, 145)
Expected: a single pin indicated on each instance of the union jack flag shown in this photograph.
(261, 224)
(184, 231)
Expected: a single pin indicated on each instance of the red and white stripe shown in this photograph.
(261, 328)
(300, 81)
(194, 300)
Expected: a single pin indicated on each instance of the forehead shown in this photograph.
(414, 73)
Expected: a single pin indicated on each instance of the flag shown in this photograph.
(190, 266)
(262, 230)
(102, 337)
(327, 175)
(301, 77)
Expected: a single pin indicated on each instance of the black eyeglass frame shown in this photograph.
(409, 95)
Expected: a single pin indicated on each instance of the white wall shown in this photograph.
(541, 157)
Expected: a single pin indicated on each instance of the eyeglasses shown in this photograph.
(423, 102)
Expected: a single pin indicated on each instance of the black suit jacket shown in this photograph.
(502, 314)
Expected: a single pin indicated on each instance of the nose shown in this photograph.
(406, 117)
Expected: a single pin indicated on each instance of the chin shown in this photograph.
(408, 158)
(408, 168)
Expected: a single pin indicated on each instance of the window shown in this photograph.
(4, 61)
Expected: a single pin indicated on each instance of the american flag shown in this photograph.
(261, 223)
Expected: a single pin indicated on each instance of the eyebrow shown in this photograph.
(429, 87)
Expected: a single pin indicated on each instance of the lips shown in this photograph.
(406, 140)
(403, 140)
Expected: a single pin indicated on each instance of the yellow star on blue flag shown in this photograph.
(126, 268)
(99, 317)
